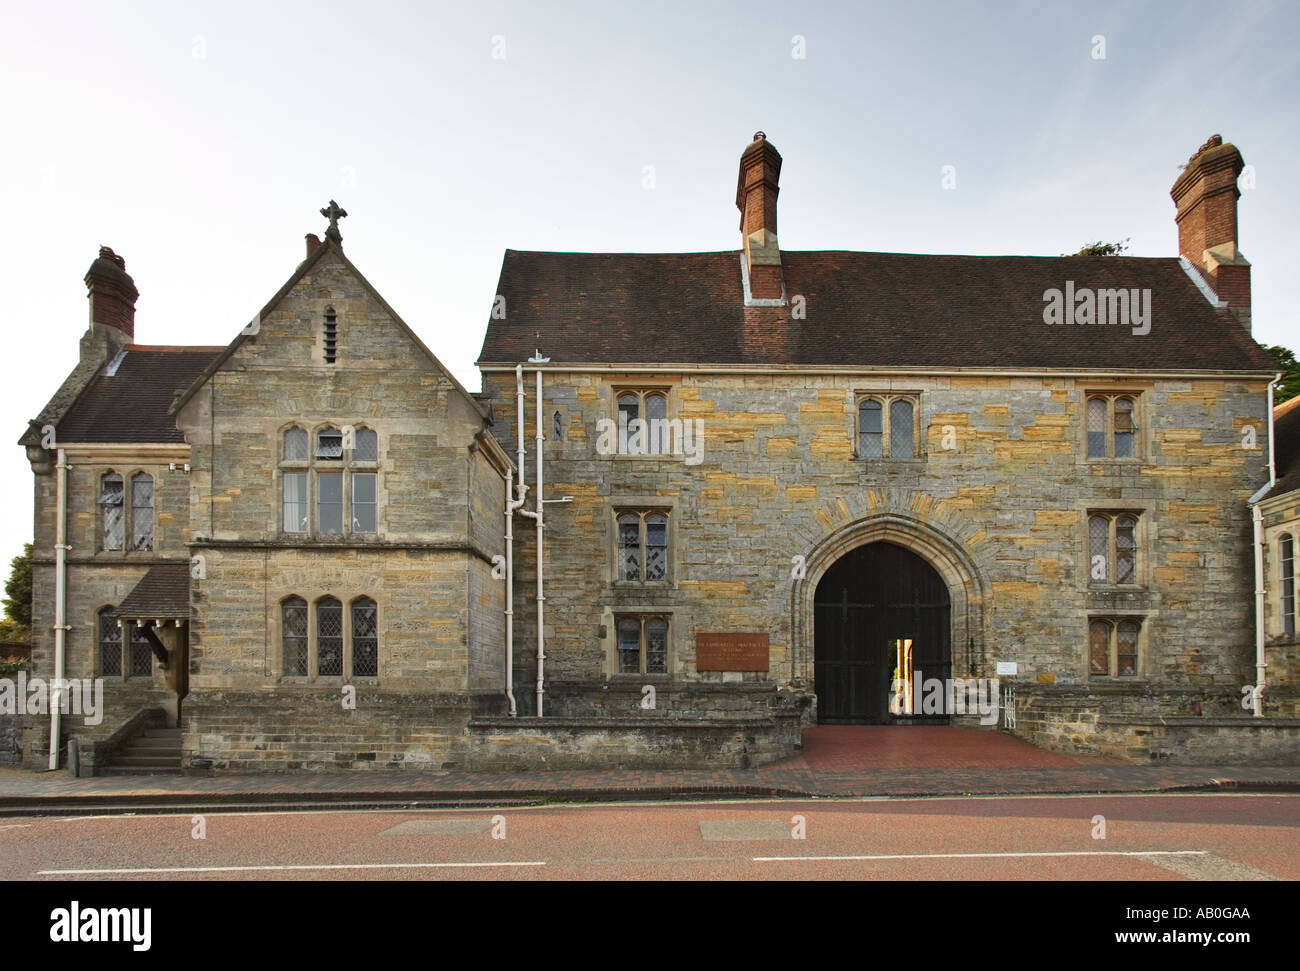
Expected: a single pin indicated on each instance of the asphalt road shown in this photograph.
(1163, 837)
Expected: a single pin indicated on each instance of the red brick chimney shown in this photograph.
(760, 168)
(112, 294)
(313, 244)
(1206, 196)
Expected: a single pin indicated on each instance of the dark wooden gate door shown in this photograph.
(875, 595)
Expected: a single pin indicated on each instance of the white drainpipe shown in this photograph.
(515, 498)
(1257, 522)
(541, 599)
(60, 601)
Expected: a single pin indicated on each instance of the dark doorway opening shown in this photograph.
(882, 614)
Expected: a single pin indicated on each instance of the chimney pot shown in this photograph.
(756, 192)
(112, 295)
(1206, 195)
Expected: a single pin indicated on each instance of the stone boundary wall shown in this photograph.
(262, 731)
(1156, 725)
(508, 744)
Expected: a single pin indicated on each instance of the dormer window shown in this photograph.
(331, 335)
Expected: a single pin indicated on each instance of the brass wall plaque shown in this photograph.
(731, 652)
(1047, 678)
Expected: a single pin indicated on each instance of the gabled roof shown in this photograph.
(893, 310)
(163, 593)
(328, 246)
(1286, 446)
(128, 400)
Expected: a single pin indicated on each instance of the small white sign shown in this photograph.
(1007, 667)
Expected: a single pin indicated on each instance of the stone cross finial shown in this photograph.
(333, 212)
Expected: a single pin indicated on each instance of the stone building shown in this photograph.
(778, 489)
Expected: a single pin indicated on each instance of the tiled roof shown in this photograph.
(1286, 446)
(862, 310)
(163, 593)
(131, 404)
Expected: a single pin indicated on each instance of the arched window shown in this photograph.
(329, 444)
(110, 644)
(656, 546)
(365, 445)
(629, 646)
(141, 512)
(629, 547)
(141, 652)
(1098, 549)
(1112, 548)
(1126, 648)
(112, 514)
(1123, 428)
(295, 445)
(293, 636)
(656, 414)
(1099, 647)
(656, 646)
(870, 429)
(329, 637)
(1113, 647)
(642, 645)
(887, 427)
(901, 432)
(1126, 550)
(365, 638)
(1111, 425)
(1287, 599)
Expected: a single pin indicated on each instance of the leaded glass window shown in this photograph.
(870, 430)
(110, 644)
(1099, 647)
(295, 445)
(629, 547)
(656, 547)
(141, 652)
(141, 513)
(365, 639)
(111, 512)
(329, 637)
(629, 646)
(901, 432)
(365, 446)
(1096, 428)
(293, 636)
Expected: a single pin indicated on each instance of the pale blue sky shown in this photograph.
(199, 141)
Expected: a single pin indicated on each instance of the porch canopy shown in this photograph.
(162, 596)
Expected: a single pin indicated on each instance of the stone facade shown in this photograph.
(1003, 514)
(1078, 495)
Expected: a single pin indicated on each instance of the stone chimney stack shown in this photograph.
(760, 169)
(112, 295)
(1206, 197)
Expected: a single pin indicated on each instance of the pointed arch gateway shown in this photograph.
(884, 596)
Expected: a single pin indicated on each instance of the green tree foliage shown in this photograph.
(1102, 249)
(18, 595)
(1289, 386)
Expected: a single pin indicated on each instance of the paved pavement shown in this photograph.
(836, 762)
